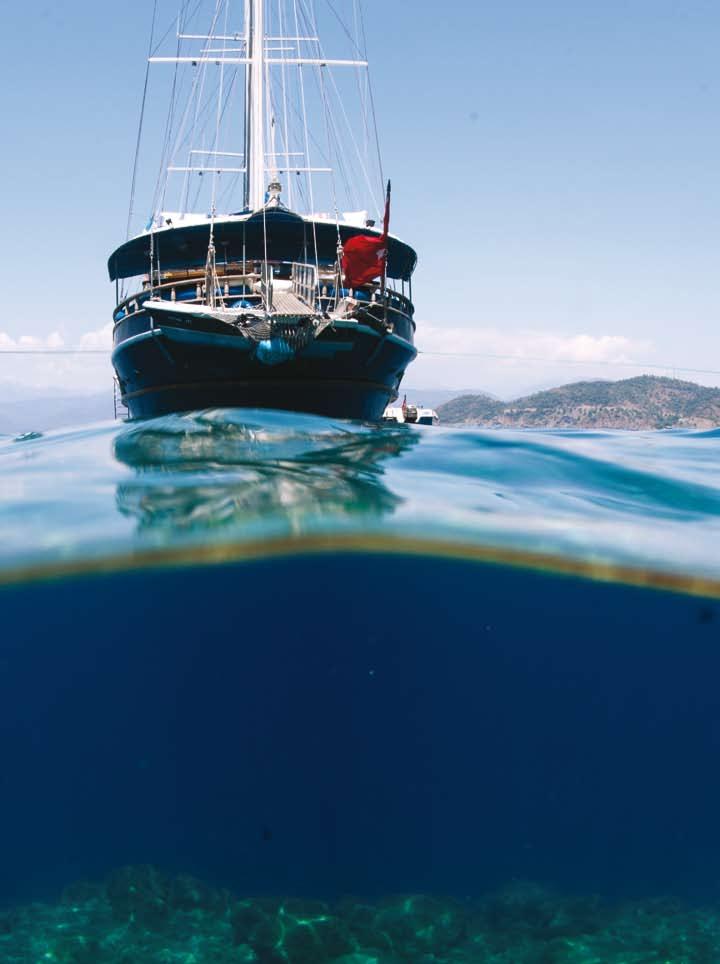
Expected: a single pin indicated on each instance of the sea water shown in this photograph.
(279, 688)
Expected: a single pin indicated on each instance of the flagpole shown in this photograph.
(386, 228)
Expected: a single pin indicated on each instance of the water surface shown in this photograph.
(285, 690)
(234, 477)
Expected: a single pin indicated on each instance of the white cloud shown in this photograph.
(505, 363)
(511, 363)
(102, 338)
(45, 374)
(524, 345)
(53, 340)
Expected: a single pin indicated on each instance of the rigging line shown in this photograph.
(569, 361)
(312, 28)
(214, 144)
(350, 189)
(198, 82)
(362, 88)
(335, 156)
(304, 117)
(161, 184)
(218, 116)
(320, 80)
(224, 201)
(316, 143)
(270, 117)
(299, 110)
(307, 146)
(232, 86)
(373, 112)
(351, 133)
(205, 114)
(445, 354)
(180, 135)
(164, 37)
(332, 170)
(55, 351)
(344, 27)
(339, 247)
(133, 184)
(283, 88)
(211, 278)
(199, 109)
(266, 270)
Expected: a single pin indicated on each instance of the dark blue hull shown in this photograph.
(353, 400)
(350, 371)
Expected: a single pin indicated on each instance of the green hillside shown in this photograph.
(646, 402)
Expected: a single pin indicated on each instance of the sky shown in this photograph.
(555, 165)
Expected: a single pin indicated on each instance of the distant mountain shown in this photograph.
(646, 402)
(435, 396)
(44, 414)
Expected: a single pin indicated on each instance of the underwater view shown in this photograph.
(282, 688)
(359, 483)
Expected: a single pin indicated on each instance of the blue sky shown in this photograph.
(555, 164)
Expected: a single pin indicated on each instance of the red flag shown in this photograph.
(364, 256)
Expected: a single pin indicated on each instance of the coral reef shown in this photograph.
(142, 916)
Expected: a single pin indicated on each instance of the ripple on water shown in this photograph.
(226, 477)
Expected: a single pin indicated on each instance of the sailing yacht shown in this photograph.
(266, 274)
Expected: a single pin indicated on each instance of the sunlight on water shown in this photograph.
(233, 477)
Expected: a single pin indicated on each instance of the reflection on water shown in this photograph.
(224, 480)
(225, 469)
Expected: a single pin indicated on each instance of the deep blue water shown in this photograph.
(371, 722)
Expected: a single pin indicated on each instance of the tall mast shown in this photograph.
(254, 111)
(257, 58)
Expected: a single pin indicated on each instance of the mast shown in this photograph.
(254, 188)
(250, 50)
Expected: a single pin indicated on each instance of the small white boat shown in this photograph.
(410, 414)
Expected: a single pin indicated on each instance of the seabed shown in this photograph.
(142, 916)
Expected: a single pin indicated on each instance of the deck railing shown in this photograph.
(307, 283)
(304, 279)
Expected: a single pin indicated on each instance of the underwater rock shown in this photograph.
(245, 917)
(139, 895)
(360, 919)
(369, 957)
(422, 925)
(292, 932)
(9, 920)
(528, 909)
(76, 950)
(303, 909)
(142, 916)
(317, 940)
(186, 893)
(259, 929)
